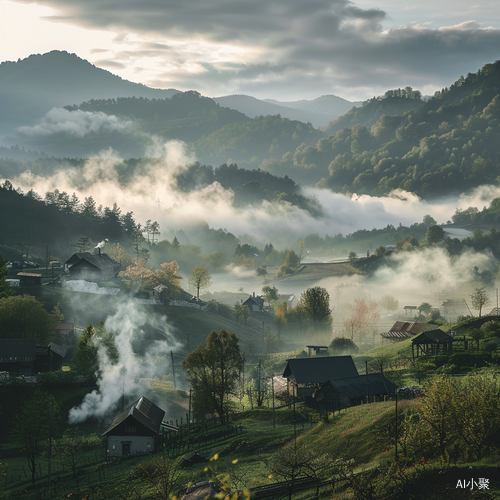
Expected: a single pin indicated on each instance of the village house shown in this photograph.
(337, 394)
(432, 342)
(92, 267)
(307, 374)
(254, 303)
(135, 431)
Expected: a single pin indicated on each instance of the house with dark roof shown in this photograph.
(432, 342)
(92, 267)
(254, 303)
(135, 430)
(307, 374)
(337, 394)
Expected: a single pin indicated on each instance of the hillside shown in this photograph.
(31, 87)
(447, 146)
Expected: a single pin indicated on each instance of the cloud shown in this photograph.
(77, 123)
(276, 48)
(279, 223)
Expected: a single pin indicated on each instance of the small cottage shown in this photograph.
(135, 431)
(17, 356)
(307, 374)
(254, 303)
(92, 267)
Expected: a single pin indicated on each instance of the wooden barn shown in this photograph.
(335, 395)
(92, 267)
(307, 374)
(402, 330)
(135, 431)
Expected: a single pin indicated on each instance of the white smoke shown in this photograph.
(124, 378)
(101, 243)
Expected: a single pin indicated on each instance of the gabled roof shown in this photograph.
(319, 369)
(101, 261)
(258, 301)
(433, 337)
(406, 329)
(58, 349)
(142, 410)
(363, 385)
(16, 350)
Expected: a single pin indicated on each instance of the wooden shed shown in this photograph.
(135, 430)
(92, 267)
(430, 343)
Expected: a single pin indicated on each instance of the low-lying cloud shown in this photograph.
(151, 193)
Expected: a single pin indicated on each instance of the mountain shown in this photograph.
(31, 87)
(445, 146)
(319, 112)
(330, 106)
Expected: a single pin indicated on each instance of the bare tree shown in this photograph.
(200, 279)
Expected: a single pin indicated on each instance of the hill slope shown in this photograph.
(30, 87)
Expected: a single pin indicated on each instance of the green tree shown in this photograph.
(434, 234)
(340, 346)
(5, 289)
(480, 298)
(213, 372)
(316, 303)
(353, 257)
(270, 293)
(425, 308)
(200, 278)
(22, 316)
(32, 427)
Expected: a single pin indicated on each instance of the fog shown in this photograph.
(151, 193)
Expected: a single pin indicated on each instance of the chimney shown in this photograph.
(254, 295)
(99, 251)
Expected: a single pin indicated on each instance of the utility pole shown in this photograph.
(396, 440)
(173, 367)
(272, 389)
(51, 428)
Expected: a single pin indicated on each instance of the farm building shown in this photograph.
(23, 357)
(17, 356)
(431, 342)
(135, 430)
(29, 279)
(92, 267)
(338, 394)
(307, 374)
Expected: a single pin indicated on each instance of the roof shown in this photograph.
(319, 369)
(433, 337)
(58, 349)
(142, 410)
(406, 329)
(101, 261)
(16, 350)
(363, 385)
(65, 326)
(258, 301)
(30, 275)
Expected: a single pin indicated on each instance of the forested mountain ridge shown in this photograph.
(31, 87)
(449, 145)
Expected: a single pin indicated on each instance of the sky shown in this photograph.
(280, 49)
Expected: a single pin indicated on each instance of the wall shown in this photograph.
(138, 445)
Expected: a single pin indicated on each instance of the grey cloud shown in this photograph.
(106, 63)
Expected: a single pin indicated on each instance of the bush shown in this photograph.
(341, 346)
